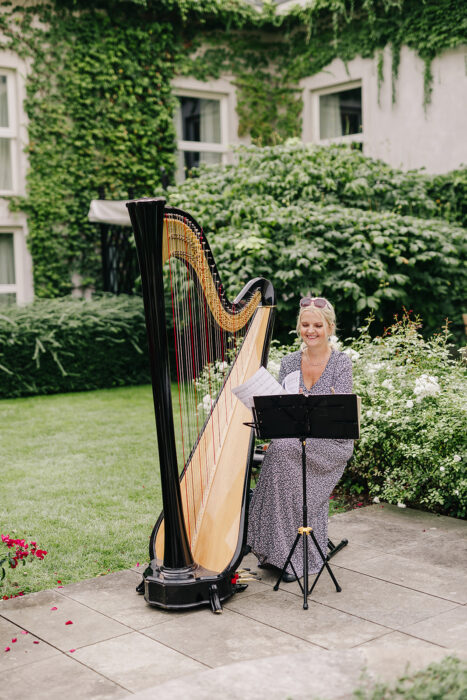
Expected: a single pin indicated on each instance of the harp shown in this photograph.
(198, 540)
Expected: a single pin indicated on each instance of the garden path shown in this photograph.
(404, 602)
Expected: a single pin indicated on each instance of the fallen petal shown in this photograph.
(24, 632)
(35, 641)
(14, 640)
(54, 608)
(7, 648)
(68, 622)
(72, 650)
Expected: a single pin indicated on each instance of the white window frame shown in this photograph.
(17, 251)
(315, 114)
(11, 131)
(206, 146)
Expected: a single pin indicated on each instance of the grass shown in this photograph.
(79, 474)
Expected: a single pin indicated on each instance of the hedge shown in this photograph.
(61, 345)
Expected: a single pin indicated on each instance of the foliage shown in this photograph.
(412, 448)
(445, 680)
(72, 345)
(331, 221)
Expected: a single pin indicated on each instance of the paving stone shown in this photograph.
(24, 650)
(114, 595)
(303, 676)
(448, 629)
(57, 678)
(135, 661)
(384, 603)
(33, 612)
(441, 581)
(216, 640)
(319, 624)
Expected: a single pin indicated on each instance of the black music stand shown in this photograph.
(332, 416)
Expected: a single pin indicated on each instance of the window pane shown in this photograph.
(7, 299)
(7, 259)
(3, 101)
(340, 113)
(199, 120)
(6, 182)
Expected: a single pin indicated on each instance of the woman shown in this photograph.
(276, 507)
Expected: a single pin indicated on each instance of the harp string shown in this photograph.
(208, 336)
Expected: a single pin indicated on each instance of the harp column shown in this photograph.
(147, 218)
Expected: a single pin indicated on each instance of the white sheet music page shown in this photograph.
(261, 383)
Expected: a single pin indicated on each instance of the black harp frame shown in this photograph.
(179, 582)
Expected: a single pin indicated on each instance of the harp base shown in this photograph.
(180, 589)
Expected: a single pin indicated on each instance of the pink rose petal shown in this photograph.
(7, 648)
(59, 586)
(14, 640)
(54, 608)
(72, 650)
(68, 622)
(24, 632)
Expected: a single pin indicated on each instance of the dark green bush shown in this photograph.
(331, 221)
(60, 345)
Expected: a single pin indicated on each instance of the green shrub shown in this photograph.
(446, 680)
(61, 345)
(412, 447)
(332, 221)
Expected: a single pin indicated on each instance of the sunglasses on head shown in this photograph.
(319, 302)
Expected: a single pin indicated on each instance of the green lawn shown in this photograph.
(79, 474)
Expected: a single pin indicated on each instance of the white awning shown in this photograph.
(104, 211)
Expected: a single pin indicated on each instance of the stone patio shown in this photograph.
(403, 605)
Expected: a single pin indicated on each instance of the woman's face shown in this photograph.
(314, 330)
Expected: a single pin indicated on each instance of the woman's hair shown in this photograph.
(327, 314)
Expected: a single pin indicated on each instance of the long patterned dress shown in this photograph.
(276, 506)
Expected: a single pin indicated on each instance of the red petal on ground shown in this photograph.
(54, 608)
(14, 640)
(68, 622)
(72, 650)
(35, 641)
(24, 632)
(7, 648)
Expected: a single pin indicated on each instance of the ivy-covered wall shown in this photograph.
(100, 106)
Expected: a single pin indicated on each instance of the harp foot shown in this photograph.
(216, 606)
(140, 587)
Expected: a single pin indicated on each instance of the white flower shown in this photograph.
(409, 403)
(441, 469)
(401, 505)
(369, 413)
(388, 414)
(373, 367)
(206, 403)
(353, 354)
(426, 385)
(456, 492)
(376, 499)
(387, 384)
(334, 342)
(457, 458)
(274, 367)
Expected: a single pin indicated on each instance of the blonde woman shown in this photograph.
(276, 506)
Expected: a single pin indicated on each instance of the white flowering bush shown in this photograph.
(412, 449)
(209, 383)
(412, 446)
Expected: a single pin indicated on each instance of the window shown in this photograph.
(7, 132)
(200, 132)
(340, 115)
(7, 269)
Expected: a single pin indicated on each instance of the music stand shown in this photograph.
(331, 416)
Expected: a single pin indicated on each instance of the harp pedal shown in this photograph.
(216, 606)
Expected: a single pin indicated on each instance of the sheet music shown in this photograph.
(261, 383)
